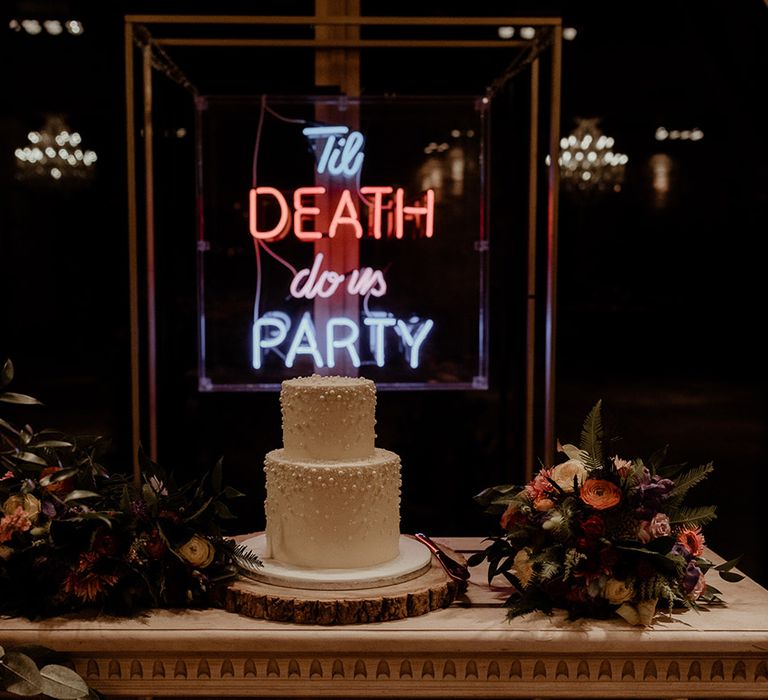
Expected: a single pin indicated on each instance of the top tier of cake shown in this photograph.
(328, 418)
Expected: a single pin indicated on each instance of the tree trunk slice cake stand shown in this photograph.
(429, 588)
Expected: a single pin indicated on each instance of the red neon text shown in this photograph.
(388, 214)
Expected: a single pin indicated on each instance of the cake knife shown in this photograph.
(453, 568)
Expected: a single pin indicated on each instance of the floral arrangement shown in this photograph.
(600, 535)
(74, 536)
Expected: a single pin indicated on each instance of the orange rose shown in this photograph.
(600, 494)
(508, 517)
(543, 504)
(62, 486)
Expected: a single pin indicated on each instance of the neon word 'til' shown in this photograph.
(342, 153)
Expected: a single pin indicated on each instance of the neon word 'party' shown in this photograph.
(270, 332)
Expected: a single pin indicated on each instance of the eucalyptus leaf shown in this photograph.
(91, 516)
(216, 476)
(57, 476)
(728, 565)
(149, 494)
(24, 679)
(5, 425)
(230, 492)
(6, 374)
(730, 576)
(222, 511)
(476, 558)
(62, 682)
(32, 458)
(52, 443)
(13, 397)
(80, 494)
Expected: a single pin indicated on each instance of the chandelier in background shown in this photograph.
(54, 155)
(587, 159)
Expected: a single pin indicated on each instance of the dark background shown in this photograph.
(660, 307)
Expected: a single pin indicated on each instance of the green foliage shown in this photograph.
(617, 540)
(592, 437)
(21, 673)
(74, 535)
(693, 517)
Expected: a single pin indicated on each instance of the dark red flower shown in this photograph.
(609, 557)
(593, 527)
(171, 515)
(155, 546)
(644, 569)
(105, 544)
(86, 582)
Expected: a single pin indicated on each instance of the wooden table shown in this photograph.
(467, 650)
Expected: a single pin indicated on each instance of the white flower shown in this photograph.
(564, 474)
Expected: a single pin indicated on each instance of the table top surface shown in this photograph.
(474, 620)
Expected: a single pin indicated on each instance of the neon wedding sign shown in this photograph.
(340, 154)
(348, 273)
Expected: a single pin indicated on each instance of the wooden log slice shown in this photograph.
(431, 591)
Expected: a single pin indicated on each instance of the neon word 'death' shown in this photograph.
(387, 213)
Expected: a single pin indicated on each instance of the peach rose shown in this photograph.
(617, 592)
(564, 474)
(644, 531)
(27, 502)
(543, 504)
(660, 525)
(600, 494)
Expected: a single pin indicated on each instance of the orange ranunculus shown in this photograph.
(600, 494)
(692, 539)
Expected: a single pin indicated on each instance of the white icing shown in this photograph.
(328, 417)
(333, 499)
(332, 515)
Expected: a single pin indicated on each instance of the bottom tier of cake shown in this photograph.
(333, 515)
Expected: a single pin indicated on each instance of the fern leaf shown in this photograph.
(688, 480)
(592, 436)
(242, 556)
(690, 517)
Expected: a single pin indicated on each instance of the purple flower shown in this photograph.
(652, 490)
(139, 509)
(48, 509)
(690, 577)
(681, 550)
